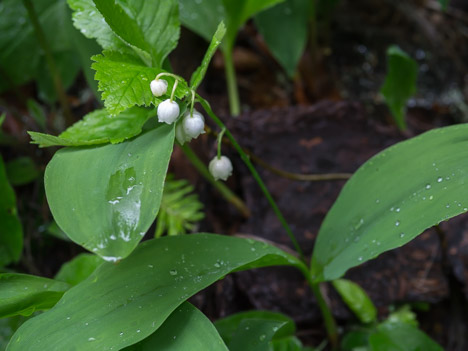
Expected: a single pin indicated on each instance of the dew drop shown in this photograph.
(428, 186)
(360, 258)
(397, 223)
(397, 209)
(173, 272)
(91, 339)
(439, 179)
(262, 337)
(402, 235)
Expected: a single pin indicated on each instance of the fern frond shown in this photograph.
(180, 209)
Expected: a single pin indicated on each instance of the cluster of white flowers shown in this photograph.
(189, 127)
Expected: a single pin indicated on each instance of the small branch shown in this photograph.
(50, 61)
(221, 187)
(286, 174)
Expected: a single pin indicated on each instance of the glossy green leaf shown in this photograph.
(202, 18)
(239, 11)
(22, 294)
(356, 299)
(21, 170)
(78, 269)
(228, 326)
(11, 232)
(116, 187)
(125, 81)
(92, 25)
(356, 340)
(121, 304)
(254, 335)
(392, 198)
(290, 343)
(400, 83)
(200, 72)
(285, 30)
(98, 127)
(401, 337)
(185, 329)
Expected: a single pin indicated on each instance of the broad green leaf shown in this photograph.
(121, 304)
(356, 299)
(125, 81)
(11, 232)
(228, 326)
(202, 18)
(185, 329)
(92, 25)
(401, 337)
(200, 72)
(290, 343)
(254, 335)
(239, 11)
(21, 57)
(98, 127)
(285, 29)
(400, 83)
(22, 294)
(21, 170)
(117, 188)
(392, 198)
(78, 269)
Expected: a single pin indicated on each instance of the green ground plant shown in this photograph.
(106, 187)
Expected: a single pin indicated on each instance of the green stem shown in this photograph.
(50, 61)
(256, 176)
(328, 319)
(221, 187)
(233, 93)
(220, 141)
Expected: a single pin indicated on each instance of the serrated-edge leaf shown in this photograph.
(125, 82)
(122, 24)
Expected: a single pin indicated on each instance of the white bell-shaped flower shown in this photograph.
(158, 87)
(168, 111)
(180, 134)
(220, 168)
(194, 124)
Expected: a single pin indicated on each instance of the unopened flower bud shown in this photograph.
(168, 111)
(158, 87)
(220, 168)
